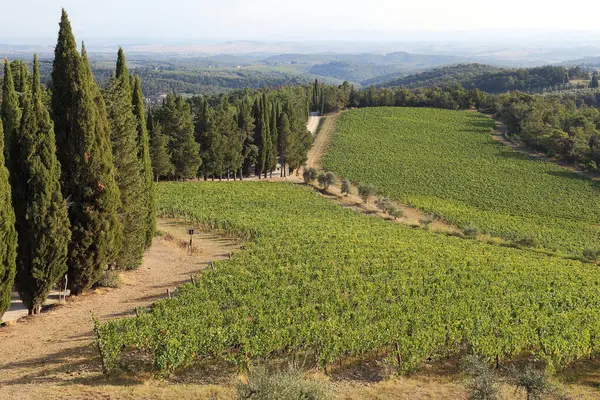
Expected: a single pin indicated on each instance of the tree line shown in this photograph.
(230, 136)
(76, 187)
(493, 79)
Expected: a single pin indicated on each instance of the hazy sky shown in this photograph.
(284, 19)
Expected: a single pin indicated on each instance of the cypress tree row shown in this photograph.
(272, 162)
(159, 153)
(176, 119)
(143, 148)
(133, 212)
(11, 114)
(41, 216)
(8, 235)
(84, 153)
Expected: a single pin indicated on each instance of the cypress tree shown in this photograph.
(159, 153)
(83, 151)
(315, 95)
(259, 134)
(133, 212)
(266, 134)
(42, 219)
(176, 119)
(245, 122)
(143, 147)
(8, 235)
(285, 142)
(274, 140)
(11, 114)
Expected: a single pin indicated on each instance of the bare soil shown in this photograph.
(55, 348)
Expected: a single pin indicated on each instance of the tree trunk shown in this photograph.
(398, 356)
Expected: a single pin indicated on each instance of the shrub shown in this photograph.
(482, 384)
(109, 279)
(290, 385)
(346, 187)
(470, 231)
(395, 212)
(326, 179)
(427, 221)
(366, 191)
(533, 381)
(383, 203)
(527, 241)
(591, 254)
(309, 175)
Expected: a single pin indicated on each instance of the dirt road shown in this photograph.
(55, 348)
(313, 123)
(319, 146)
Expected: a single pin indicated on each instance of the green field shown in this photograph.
(446, 163)
(318, 280)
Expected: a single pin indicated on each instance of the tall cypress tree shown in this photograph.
(273, 136)
(245, 122)
(42, 219)
(124, 133)
(258, 135)
(8, 235)
(11, 114)
(84, 153)
(176, 119)
(161, 160)
(143, 147)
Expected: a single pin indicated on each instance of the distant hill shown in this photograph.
(357, 68)
(583, 62)
(490, 78)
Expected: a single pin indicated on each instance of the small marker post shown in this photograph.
(191, 247)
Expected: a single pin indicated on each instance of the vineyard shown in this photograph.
(446, 163)
(318, 281)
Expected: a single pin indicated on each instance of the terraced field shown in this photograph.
(322, 282)
(446, 163)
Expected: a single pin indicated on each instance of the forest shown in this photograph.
(493, 79)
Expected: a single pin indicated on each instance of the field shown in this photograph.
(445, 162)
(323, 283)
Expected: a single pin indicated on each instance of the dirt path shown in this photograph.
(313, 123)
(54, 349)
(322, 140)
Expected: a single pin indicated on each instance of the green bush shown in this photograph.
(346, 187)
(309, 175)
(383, 203)
(482, 384)
(366, 191)
(290, 385)
(326, 179)
(470, 231)
(395, 212)
(533, 381)
(109, 279)
(591, 254)
(427, 221)
(527, 241)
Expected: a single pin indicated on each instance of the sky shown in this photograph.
(281, 20)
